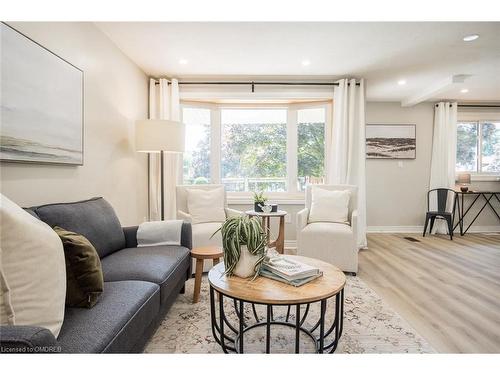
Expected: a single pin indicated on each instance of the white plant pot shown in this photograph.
(246, 265)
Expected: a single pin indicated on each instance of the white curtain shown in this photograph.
(346, 145)
(164, 105)
(444, 151)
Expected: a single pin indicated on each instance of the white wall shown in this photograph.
(116, 94)
(396, 195)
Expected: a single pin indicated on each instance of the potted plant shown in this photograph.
(259, 200)
(244, 245)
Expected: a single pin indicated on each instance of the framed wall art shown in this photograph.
(41, 103)
(391, 141)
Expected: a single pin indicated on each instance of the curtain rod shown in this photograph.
(476, 105)
(265, 83)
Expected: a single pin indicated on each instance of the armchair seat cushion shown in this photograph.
(162, 265)
(331, 242)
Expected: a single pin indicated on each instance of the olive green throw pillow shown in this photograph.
(84, 281)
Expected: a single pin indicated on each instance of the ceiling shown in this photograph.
(426, 55)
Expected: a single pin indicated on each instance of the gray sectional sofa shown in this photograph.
(140, 286)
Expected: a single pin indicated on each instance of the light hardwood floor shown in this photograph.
(449, 291)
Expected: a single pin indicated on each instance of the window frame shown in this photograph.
(292, 195)
(478, 118)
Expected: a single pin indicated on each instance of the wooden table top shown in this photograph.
(207, 252)
(264, 290)
(270, 214)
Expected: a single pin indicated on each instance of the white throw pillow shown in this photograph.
(206, 206)
(33, 270)
(329, 205)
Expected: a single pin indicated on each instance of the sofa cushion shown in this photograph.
(84, 281)
(32, 270)
(122, 315)
(94, 218)
(162, 265)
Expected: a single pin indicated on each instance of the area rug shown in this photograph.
(370, 326)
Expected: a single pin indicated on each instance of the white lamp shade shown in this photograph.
(159, 135)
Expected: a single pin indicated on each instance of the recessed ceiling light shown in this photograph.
(306, 62)
(464, 91)
(470, 38)
(402, 82)
(183, 61)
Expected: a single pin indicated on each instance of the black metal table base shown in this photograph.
(231, 336)
(460, 207)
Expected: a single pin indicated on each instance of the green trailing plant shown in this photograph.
(259, 197)
(238, 231)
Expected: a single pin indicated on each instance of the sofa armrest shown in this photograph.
(354, 224)
(187, 235)
(27, 339)
(302, 217)
(232, 213)
(130, 236)
(181, 215)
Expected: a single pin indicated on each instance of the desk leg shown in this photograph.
(462, 217)
(280, 241)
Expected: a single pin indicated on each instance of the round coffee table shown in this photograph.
(279, 243)
(200, 254)
(270, 293)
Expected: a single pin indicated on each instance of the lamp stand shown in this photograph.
(162, 184)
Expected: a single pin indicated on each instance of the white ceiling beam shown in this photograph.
(434, 90)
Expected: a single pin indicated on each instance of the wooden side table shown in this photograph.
(200, 254)
(279, 243)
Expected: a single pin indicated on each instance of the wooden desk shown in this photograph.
(460, 206)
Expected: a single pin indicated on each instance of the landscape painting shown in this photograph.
(390, 141)
(41, 103)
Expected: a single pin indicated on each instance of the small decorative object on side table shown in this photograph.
(279, 243)
(200, 254)
(259, 200)
(464, 181)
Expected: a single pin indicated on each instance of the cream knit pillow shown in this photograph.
(329, 205)
(206, 206)
(33, 271)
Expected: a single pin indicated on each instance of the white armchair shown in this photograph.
(202, 232)
(334, 243)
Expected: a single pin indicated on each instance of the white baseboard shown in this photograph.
(420, 229)
(395, 229)
(291, 244)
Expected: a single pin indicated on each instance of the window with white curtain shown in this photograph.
(196, 157)
(275, 148)
(478, 147)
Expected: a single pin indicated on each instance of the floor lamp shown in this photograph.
(159, 136)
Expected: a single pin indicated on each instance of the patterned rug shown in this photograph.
(370, 326)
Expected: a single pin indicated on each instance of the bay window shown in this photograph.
(274, 148)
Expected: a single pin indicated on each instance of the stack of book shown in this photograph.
(289, 271)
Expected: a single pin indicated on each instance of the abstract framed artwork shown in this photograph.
(41, 103)
(391, 141)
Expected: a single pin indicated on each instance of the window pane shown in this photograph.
(467, 138)
(197, 153)
(311, 146)
(490, 152)
(253, 155)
